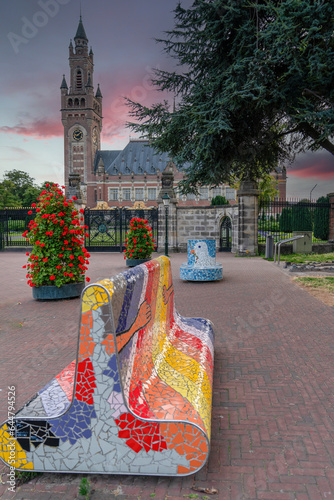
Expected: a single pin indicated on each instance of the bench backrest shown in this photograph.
(164, 361)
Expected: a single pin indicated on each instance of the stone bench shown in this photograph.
(137, 400)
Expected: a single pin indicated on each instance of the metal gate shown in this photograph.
(226, 235)
(107, 228)
(13, 223)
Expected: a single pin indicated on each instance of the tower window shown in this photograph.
(83, 103)
(76, 102)
(79, 80)
(70, 103)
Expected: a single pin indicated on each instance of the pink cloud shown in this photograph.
(135, 86)
(316, 165)
(42, 128)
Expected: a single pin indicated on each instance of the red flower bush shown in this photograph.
(139, 241)
(53, 249)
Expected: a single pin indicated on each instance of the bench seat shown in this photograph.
(137, 400)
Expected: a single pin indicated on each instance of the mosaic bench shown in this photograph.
(138, 398)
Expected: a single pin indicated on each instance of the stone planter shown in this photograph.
(68, 291)
(135, 262)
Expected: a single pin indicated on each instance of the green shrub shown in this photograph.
(301, 217)
(285, 221)
(321, 220)
(219, 200)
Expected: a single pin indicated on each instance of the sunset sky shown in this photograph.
(34, 38)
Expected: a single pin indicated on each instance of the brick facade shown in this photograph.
(115, 178)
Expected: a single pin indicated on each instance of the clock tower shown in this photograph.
(81, 114)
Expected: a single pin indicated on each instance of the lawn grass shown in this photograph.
(306, 257)
(310, 257)
(325, 283)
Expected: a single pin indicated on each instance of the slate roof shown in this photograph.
(107, 157)
(81, 31)
(137, 157)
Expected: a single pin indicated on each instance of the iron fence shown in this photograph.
(106, 228)
(281, 218)
(13, 222)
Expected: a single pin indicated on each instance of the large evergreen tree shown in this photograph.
(255, 86)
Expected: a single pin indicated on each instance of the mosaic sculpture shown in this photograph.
(138, 398)
(201, 265)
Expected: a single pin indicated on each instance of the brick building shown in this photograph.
(113, 178)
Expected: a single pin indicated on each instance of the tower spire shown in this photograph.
(81, 34)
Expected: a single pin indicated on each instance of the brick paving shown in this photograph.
(273, 413)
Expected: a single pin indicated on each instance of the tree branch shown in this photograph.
(307, 129)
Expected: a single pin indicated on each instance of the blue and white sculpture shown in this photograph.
(201, 265)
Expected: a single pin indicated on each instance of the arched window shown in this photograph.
(79, 80)
(76, 102)
(70, 103)
(83, 103)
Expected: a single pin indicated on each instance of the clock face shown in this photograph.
(77, 134)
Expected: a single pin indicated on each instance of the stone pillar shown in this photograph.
(167, 179)
(74, 186)
(74, 190)
(248, 218)
(331, 217)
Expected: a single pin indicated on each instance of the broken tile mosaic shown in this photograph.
(138, 398)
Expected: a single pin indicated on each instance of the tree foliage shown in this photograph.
(8, 196)
(285, 220)
(219, 200)
(301, 217)
(255, 85)
(21, 180)
(18, 189)
(321, 220)
(268, 187)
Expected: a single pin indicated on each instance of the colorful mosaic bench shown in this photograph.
(138, 398)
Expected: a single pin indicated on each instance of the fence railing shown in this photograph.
(280, 218)
(106, 229)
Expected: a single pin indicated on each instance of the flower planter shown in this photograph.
(68, 291)
(135, 262)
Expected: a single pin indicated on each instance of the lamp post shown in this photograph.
(165, 200)
(312, 190)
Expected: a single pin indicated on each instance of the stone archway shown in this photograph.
(225, 235)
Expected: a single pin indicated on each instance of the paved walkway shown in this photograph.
(273, 404)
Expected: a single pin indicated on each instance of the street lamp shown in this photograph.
(312, 190)
(165, 200)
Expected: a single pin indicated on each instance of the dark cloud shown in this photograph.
(313, 165)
